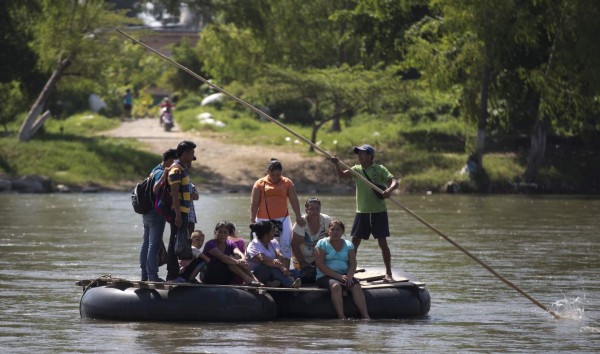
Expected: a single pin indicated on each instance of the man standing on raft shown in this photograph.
(371, 211)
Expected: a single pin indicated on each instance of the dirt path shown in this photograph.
(224, 166)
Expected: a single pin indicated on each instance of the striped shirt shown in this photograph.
(178, 174)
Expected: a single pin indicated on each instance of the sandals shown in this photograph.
(388, 279)
(296, 284)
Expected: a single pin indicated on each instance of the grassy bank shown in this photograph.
(68, 152)
(427, 155)
(428, 149)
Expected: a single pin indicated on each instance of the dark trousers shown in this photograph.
(172, 262)
(187, 271)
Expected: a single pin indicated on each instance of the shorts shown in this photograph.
(375, 223)
(327, 282)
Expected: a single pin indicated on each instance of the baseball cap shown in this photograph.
(366, 147)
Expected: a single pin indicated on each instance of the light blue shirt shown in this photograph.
(336, 261)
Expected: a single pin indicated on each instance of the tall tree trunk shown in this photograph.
(536, 150)
(39, 122)
(336, 125)
(539, 133)
(313, 135)
(25, 132)
(483, 115)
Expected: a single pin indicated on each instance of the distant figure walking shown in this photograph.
(127, 103)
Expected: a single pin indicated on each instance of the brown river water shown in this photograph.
(547, 245)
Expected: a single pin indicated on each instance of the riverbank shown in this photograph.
(91, 153)
(224, 166)
(221, 165)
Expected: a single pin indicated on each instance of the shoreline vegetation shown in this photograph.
(499, 87)
(79, 154)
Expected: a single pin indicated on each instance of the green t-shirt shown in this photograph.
(366, 200)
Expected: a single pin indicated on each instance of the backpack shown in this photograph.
(163, 204)
(141, 195)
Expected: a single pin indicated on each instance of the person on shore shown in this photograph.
(336, 265)
(189, 269)
(306, 237)
(180, 185)
(226, 260)
(371, 211)
(154, 226)
(269, 201)
(168, 106)
(127, 103)
(265, 258)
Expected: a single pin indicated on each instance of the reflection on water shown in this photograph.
(546, 245)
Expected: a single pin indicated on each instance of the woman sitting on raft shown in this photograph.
(223, 266)
(336, 264)
(265, 257)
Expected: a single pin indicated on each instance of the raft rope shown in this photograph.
(356, 174)
(96, 282)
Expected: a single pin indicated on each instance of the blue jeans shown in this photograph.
(265, 273)
(154, 226)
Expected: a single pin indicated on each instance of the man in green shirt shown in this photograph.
(371, 212)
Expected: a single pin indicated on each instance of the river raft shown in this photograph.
(126, 300)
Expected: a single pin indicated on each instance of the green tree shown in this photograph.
(468, 46)
(184, 53)
(378, 28)
(12, 105)
(16, 58)
(135, 69)
(70, 35)
(567, 78)
(535, 62)
(229, 53)
(330, 93)
(247, 35)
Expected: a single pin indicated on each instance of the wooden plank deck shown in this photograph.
(369, 280)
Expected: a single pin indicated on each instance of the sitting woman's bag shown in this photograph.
(277, 225)
(308, 274)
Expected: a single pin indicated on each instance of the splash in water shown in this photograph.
(589, 329)
(572, 309)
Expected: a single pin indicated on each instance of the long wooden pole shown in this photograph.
(356, 174)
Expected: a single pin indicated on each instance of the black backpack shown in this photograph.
(141, 195)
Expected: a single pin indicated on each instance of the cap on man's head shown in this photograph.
(366, 148)
(185, 146)
(169, 154)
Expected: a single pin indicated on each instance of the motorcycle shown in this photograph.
(166, 118)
